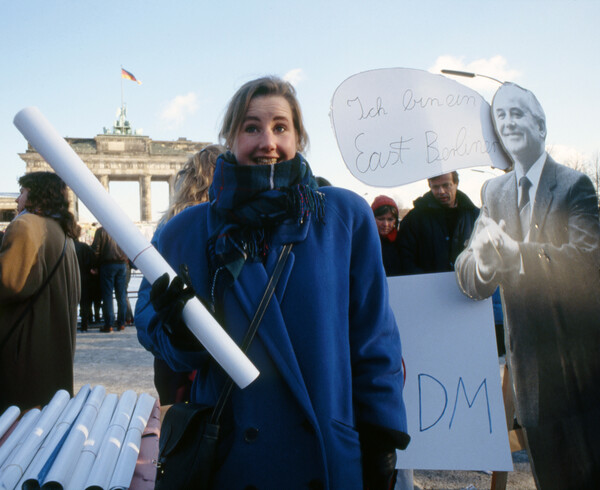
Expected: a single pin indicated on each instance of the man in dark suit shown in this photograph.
(538, 238)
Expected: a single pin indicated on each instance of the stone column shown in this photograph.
(73, 204)
(172, 179)
(104, 181)
(145, 198)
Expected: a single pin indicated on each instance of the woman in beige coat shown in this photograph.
(39, 293)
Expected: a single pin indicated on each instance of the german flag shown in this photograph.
(129, 76)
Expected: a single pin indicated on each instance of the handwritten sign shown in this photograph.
(398, 125)
(453, 393)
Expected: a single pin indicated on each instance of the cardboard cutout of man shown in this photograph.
(538, 238)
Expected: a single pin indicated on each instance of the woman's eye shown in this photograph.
(280, 129)
(250, 129)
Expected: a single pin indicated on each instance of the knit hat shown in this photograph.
(383, 201)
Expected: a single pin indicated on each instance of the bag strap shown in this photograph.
(252, 329)
(34, 297)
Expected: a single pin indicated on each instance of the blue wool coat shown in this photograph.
(328, 348)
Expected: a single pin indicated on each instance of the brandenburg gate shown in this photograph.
(126, 157)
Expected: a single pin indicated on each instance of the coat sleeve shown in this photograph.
(20, 269)
(150, 333)
(375, 339)
(465, 266)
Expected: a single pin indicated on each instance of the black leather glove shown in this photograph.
(379, 467)
(378, 446)
(168, 301)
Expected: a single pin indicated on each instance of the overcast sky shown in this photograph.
(65, 57)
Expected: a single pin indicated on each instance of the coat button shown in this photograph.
(315, 485)
(251, 434)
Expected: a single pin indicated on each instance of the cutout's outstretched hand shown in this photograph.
(494, 249)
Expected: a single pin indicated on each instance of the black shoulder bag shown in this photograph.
(190, 431)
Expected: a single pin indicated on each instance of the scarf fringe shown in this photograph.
(305, 200)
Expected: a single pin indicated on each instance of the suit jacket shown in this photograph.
(552, 309)
(328, 348)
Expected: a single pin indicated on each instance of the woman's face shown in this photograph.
(267, 135)
(22, 199)
(385, 223)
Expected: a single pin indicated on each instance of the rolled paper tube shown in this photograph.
(13, 471)
(67, 164)
(8, 418)
(30, 479)
(21, 430)
(112, 442)
(92, 444)
(121, 478)
(65, 461)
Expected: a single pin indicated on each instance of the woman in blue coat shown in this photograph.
(327, 409)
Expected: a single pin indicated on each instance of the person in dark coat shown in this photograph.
(86, 260)
(39, 293)
(113, 277)
(385, 210)
(437, 229)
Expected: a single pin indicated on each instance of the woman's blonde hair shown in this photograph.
(239, 103)
(193, 180)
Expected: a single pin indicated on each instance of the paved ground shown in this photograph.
(114, 360)
(118, 362)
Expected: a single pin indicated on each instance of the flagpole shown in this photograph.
(121, 117)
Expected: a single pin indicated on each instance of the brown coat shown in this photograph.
(36, 359)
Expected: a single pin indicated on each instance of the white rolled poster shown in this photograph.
(121, 478)
(14, 470)
(44, 454)
(17, 436)
(65, 462)
(67, 164)
(92, 444)
(8, 418)
(105, 463)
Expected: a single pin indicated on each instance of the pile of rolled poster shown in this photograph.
(90, 441)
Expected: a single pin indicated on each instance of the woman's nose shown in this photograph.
(268, 140)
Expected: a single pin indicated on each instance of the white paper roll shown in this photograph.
(121, 478)
(92, 444)
(17, 436)
(108, 455)
(65, 461)
(46, 450)
(8, 418)
(12, 472)
(67, 164)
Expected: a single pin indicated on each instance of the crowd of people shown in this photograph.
(328, 409)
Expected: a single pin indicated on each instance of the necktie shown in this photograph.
(525, 206)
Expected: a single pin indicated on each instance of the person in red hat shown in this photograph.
(385, 210)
